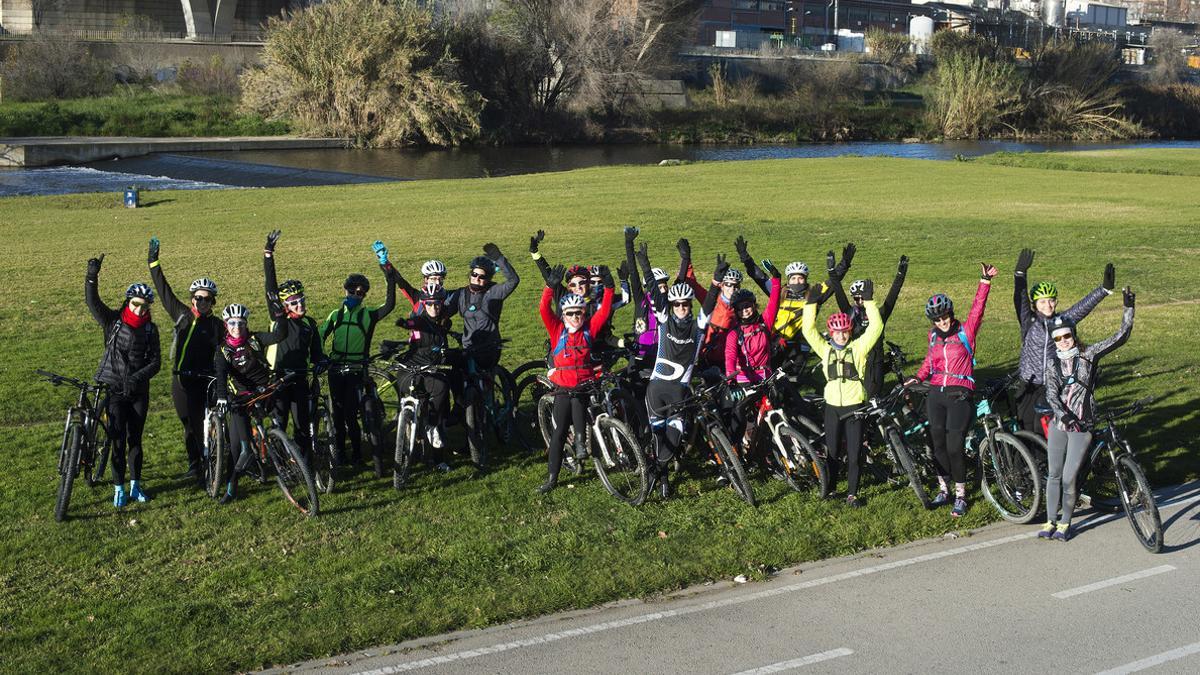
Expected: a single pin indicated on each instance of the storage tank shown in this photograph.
(1054, 12)
(920, 31)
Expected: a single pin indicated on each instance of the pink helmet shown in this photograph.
(839, 321)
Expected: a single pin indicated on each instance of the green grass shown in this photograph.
(1157, 161)
(182, 585)
(140, 113)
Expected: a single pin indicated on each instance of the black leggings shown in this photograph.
(241, 447)
(852, 429)
(190, 396)
(436, 386)
(295, 398)
(346, 391)
(126, 420)
(950, 413)
(568, 411)
(668, 429)
(1027, 400)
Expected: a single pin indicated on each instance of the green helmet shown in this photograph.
(1044, 289)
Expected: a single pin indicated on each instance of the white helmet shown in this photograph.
(203, 284)
(732, 276)
(433, 268)
(858, 287)
(679, 293)
(139, 290)
(235, 311)
(659, 274)
(572, 301)
(796, 268)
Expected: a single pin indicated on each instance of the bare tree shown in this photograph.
(1166, 48)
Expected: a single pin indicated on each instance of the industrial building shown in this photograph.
(194, 19)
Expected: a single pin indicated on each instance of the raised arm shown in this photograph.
(685, 260)
(1081, 309)
(600, 317)
(808, 325)
(174, 307)
(975, 318)
(834, 283)
(1021, 288)
(538, 259)
(773, 295)
(752, 270)
(658, 300)
(889, 303)
(505, 288)
(102, 313)
(549, 319)
(389, 301)
(270, 281)
(1122, 335)
(279, 328)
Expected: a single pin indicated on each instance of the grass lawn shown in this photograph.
(183, 585)
(1159, 161)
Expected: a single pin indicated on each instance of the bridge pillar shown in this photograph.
(197, 18)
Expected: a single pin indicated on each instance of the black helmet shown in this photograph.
(484, 263)
(741, 297)
(355, 280)
(1062, 325)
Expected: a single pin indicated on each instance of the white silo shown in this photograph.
(920, 31)
(1054, 12)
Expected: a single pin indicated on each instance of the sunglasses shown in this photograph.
(236, 323)
(685, 303)
(432, 303)
(1063, 338)
(730, 284)
(202, 298)
(137, 302)
(579, 282)
(573, 314)
(359, 292)
(294, 302)
(478, 275)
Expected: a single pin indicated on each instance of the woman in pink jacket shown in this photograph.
(949, 368)
(748, 345)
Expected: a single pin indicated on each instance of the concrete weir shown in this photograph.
(51, 151)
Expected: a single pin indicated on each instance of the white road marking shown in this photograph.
(683, 611)
(796, 663)
(1151, 661)
(1070, 593)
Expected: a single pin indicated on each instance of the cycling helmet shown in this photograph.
(938, 306)
(1044, 289)
(433, 268)
(235, 311)
(839, 321)
(741, 297)
(572, 301)
(659, 274)
(594, 270)
(857, 288)
(578, 271)
(139, 290)
(432, 294)
(290, 289)
(795, 268)
(732, 276)
(679, 293)
(482, 262)
(355, 280)
(203, 284)
(1062, 325)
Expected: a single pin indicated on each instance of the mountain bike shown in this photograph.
(488, 403)
(890, 461)
(371, 406)
(412, 421)
(324, 461)
(1116, 481)
(705, 429)
(85, 444)
(788, 454)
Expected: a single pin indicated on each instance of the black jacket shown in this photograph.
(131, 356)
(194, 339)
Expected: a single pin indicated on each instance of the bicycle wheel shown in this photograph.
(68, 467)
(292, 473)
(1009, 478)
(730, 465)
(216, 453)
(906, 464)
(799, 463)
(525, 400)
(388, 392)
(1138, 500)
(406, 446)
(527, 369)
(503, 414)
(324, 451)
(103, 447)
(373, 428)
(620, 461)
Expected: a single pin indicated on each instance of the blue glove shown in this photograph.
(381, 252)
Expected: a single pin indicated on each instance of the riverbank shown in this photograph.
(452, 552)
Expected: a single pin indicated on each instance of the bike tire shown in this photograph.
(102, 451)
(324, 452)
(1138, 501)
(801, 466)
(620, 461)
(68, 468)
(526, 369)
(1009, 478)
(406, 445)
(292, 474)
(528, 393)
(216, 448)
(905, 462)
(504, 409)
(373, 429)
(731, 465)
(388, 392)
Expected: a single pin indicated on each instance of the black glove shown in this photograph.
(623, 271)
(740, 245)
(152, 253)
(843, 265)
(631, 233)
(1070, 420)
(535, 240)
(814, 293)
(868, 290)
(272, 238)
(685, 249)
(492, 251)
(902, 268)
(1129, 296)
(1024, 261)
(771, 268)
(555, 276)
(643, 255)
(1110, 277)
(830, 262)
(721, 268)
(94, 265)
(606, 276)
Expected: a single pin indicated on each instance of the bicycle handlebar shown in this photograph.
(58, 380)
(1131, 409)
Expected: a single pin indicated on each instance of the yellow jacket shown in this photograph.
(847, 365)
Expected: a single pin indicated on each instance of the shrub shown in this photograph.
(47, 67)
(375, 72)
(1171, 110)
(949, 43)
(973, 96)
(1070, 93)
(892, 49)
(1169, 60)
(214, 78)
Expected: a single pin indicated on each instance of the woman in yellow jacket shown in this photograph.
(844, 362)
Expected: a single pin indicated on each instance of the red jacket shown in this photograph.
(948, 363)
(571, 353)
(750, 356)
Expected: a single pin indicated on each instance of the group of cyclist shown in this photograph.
(730, 339)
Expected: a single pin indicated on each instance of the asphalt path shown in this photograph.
(995, 600)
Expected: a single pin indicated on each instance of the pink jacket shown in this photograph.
(948, 363)
(750, 356)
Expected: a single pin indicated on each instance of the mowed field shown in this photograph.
(183, 585)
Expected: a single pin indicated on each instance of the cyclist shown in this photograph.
(1035, 311)
(748, 345)
(1069, 391)
(352, 326)
(433, 273)
(949, 367)
(429, 344)
(680, 335)
(299, 352)
(480, 304)
(843, 360)
(580, 279)
(645, 323)
(853, 306)
(131, 357)
(571, 362)
(194, 340)
(240, 364)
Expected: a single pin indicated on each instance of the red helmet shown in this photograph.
(578, 271)
(839, 321)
